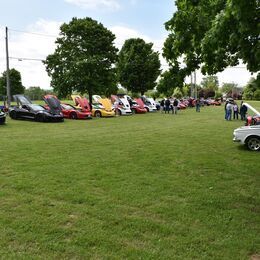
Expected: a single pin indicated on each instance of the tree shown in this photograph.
(210, 82)
(36, 93)
(170, 80)
(83, 59)
(227, 88)
(213, 35)
(138, 66)
(15, 83)
(252, 89)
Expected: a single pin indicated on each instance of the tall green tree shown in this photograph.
(169, 80)
(16, 85)
(210, 82)
(252, 89)
(83, 60)
(138, 66)
(213, 35)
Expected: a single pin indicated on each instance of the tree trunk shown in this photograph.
(90, 97)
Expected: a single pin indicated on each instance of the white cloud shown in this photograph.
(31, 46)
(96, 4)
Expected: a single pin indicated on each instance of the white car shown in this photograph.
(249, 136)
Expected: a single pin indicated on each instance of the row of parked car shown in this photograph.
(55, 111)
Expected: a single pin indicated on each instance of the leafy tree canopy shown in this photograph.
(252, 89)
(214, 34)
(83, 59)
(138, 66)
(210, 82)
(16, 85)
(36, 93)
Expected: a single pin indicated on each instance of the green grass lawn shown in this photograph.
(150, 186)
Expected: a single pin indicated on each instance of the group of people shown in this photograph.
(169, 104)
(232, 107)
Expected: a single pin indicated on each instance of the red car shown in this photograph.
(72, 112)
(138, 106)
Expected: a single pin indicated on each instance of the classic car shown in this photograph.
(25, 109)
(102, 107)
(72, 112)
(149, 104)
(249, 136)
(135, 107)
(121, 105)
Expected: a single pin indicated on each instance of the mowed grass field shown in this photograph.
(150, 186)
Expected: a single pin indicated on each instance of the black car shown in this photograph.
(2, 117)
(25, 109)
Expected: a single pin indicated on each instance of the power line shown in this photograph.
(22, 58)
(55, 36)
(39, 34)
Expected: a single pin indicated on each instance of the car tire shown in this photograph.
(73, 115)
(13, 114)
(40, 118)
(98, 114)
(253, 143)
(147, 109)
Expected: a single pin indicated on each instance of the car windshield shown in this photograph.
(37, 107)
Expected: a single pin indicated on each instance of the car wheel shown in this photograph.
(39, 118)
(147, 109)
(118, 112)
(13, 114)
(73, 115)
(98, 114)
(253, 143)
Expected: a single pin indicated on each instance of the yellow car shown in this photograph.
(101, 107)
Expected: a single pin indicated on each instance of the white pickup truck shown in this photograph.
(249, 135)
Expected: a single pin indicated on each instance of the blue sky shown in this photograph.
(125, 18)
(148, 16)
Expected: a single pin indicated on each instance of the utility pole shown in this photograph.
(195, 86)
(191, 85)
(8, 89)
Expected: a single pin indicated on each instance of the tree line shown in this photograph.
(203, 35)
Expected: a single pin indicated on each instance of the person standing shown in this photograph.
(162, 105)
(167, 105)
(243, 111)
(197, 105)
(228, 111)
(175, 106)
(235, 111)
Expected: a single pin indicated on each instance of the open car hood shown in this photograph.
(252, 108)
(53, 103)
(22, 100)
(81, 101)
(140, 102)
(106, 103)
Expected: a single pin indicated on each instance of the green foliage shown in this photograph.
(83, 59)
(138, 66)
(36, 93)
(170, 80)
(252, 89)
(210, 82)
(213, 34)
(177, 93)
(228, 87)
(15, 83)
